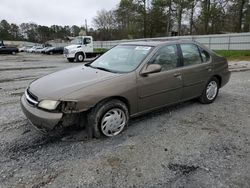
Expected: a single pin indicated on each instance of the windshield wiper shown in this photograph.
(104, 69)
(100, 68)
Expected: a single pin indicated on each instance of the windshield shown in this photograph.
(122, 58)
(77, 40)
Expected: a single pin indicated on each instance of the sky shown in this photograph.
(53, 12)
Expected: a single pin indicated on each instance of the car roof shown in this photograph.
(156, 43)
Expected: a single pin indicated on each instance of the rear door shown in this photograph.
(162, 88)
(197, 70)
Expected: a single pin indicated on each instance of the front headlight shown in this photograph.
(48, 104)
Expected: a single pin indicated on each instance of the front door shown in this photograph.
(162, 88)
(87, 44)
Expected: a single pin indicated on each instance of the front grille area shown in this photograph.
(31, 98)
(66, 51)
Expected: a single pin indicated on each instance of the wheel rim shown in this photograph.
(80, 57)
(212, 89)
(113, 122)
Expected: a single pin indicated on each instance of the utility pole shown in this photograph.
(144, 18)
(86, 26)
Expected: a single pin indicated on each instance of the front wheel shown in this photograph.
(79, 57)
(210, 92)
(107, 119)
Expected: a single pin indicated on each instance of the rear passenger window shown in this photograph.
(167, 57)
(191, 54)
(204, 54)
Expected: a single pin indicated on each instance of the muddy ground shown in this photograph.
(186, 145)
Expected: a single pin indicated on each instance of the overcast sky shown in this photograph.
(50, 12)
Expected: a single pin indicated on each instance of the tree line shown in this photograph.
(36, 33)
(145, 18)
(155, 18)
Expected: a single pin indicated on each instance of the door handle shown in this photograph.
(177, 74)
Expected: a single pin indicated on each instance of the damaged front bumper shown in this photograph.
(43, 120)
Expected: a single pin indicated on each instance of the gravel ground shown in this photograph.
(186, 145)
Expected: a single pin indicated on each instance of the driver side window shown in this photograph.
(87, 41)
(167, 57)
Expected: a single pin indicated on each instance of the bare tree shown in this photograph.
(241, 5)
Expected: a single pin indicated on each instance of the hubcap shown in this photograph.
(113, 122)
(211, 91)
(80, 57)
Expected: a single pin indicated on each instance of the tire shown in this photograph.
(50, 53)
(13, 53)
(80, 57)
(71, 59)
(207, 98)
(100, 119)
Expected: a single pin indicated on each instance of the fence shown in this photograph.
(235, 41)
(18, 43)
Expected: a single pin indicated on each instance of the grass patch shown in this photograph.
(235, 55)
(100, 50)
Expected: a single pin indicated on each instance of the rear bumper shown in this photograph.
(44, 121)
(225, 78)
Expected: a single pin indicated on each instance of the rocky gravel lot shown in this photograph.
(186, 145)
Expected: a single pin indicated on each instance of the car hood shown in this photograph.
(73, 46)
(59, 84)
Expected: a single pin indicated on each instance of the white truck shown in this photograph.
(80, 49)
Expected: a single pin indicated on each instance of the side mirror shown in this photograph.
(151, 68)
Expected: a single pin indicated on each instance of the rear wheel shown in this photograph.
(210, 92)
(70, 59)
(80, 57)
(51, 53)
(107, 119)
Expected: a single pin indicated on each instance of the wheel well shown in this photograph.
(219, 79)
(123, 99)
(81, 53)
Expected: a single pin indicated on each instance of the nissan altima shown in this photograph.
(129, 80)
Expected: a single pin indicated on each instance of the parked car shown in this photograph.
(8, 50)
(48, 49)
(44, 49)
(129, 80)
(34, 49)
(24, 48)
(38, 49)
(54, 50)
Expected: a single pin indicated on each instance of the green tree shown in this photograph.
(5, 30)
(75, 30)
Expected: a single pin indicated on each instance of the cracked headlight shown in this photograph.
(48, 104)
